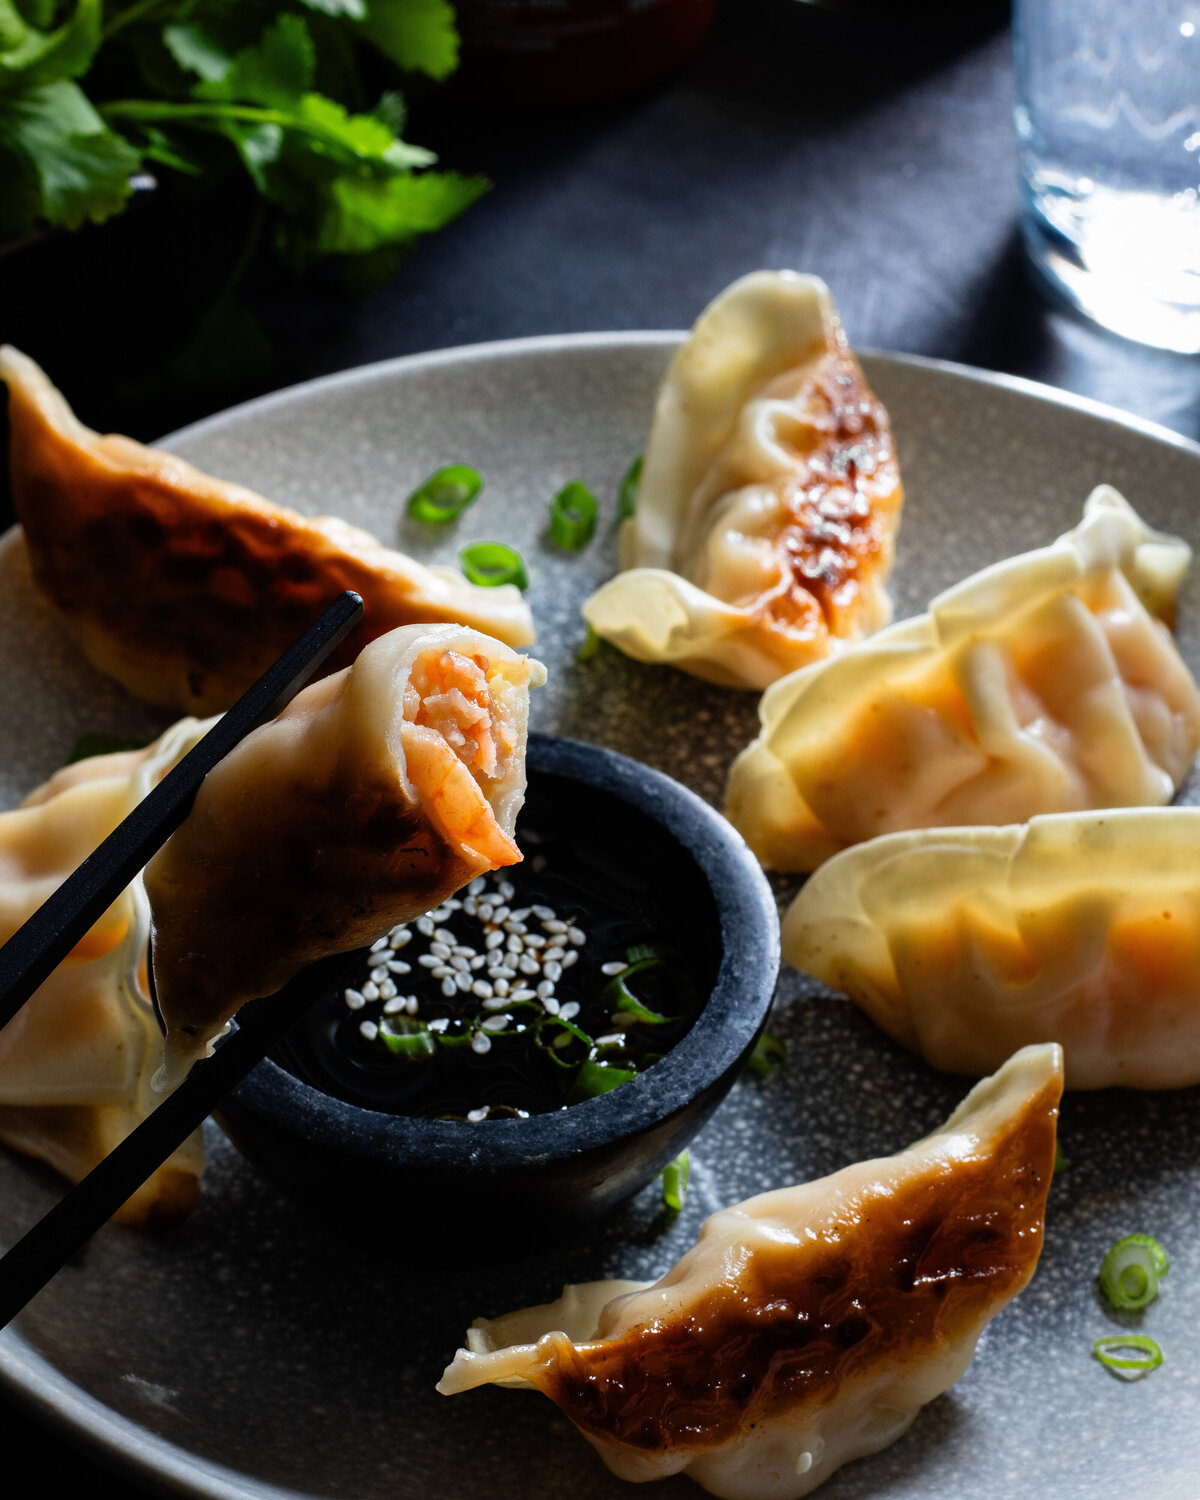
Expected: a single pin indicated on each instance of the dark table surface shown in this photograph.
(874, 152)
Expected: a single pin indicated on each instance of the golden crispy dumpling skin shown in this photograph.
(769, 500)
(807, 1326)
(185, 588)
(376, 794)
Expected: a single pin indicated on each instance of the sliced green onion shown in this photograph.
(445, 495)
(596, 1078)
(96, 743)
(642, 951)
(628, 492)
(573, 516)
(590, 648)
(492, 563)
(768, 1057)
(675, 1181)
(567, 1033)
(1060, 1161)
(1130, 1271)
(1149, 1354)
(413, 1046)
(626, 1003)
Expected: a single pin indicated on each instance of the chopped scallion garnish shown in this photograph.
(492, 563)
(573, 516)
(413, 1046)
(627, 494)
(768, 1057)
(675, 1181)
(445, 495)
(626, 1003)
(590, 647)
(96, 743)
(1149, 1355)
(596, 1078)
(1130, 1271)
(642, 951)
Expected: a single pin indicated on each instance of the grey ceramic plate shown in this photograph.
(253, 1352)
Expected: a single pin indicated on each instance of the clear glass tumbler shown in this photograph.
(1108, 127)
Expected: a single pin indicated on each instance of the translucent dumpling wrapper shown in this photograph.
(807, 1326)
(76, 1061)
(375, 795)
(185, 588)
(1047, 683)
(769, 498)
(963, 943)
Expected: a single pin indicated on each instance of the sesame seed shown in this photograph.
(370, 991)
(514, 929)
(500, 985)
(515, 943)
(528, 965)
(387, 988)
(425, 926)
(377, 976)
(552, 924)
(570, 958)
(550, 1005)
(497, 1002)
(442, 950)
(500, 914)
(618, 966)
(522, 994)
(449, 988)
(393, 1005)
(493, 940)
(502, 971)
(378, 944)
(452, 905)
(429, 960)
(461, 964)
(397, 966)
(484, 911)
(478, 961)
(463, 981)
(481, 1042)
(439, 1023)
(613, 1039)
(535, 940)
(477, 885)
(552, 971)
(463, 950)
(518, 916)
(469, 906)
(555, 953)
(412, 1005)
(443, 935)
(496, 1023)
(570, 1010)
(476, 1116)
(400, 937)
(545, 988)
(577, 936)
(355, 999)
(507, 889)
(369, 1029)
(543, 913)
(482, 988)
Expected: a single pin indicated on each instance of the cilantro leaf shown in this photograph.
(276, 71)
(30, 58)
(364, 214)
(417, 35)
(196, 51)
(71, 165)
(355, 10)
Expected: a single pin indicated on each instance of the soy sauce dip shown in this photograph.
(535, 987)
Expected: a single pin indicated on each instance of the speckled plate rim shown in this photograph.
(36, 1385)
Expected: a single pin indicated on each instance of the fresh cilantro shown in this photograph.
(417, 35)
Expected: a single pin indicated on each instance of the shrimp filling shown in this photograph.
(464, 699)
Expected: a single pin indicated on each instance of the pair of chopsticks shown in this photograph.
(38, 947)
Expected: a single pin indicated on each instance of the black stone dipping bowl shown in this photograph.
(550, 1171)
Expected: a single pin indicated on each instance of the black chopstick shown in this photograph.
(37, 948)
(87, 1207)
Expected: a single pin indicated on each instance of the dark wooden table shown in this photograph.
(878, 154)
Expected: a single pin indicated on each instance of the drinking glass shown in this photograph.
(1108, 128)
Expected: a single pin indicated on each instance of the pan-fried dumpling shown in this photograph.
(1047, 683)
(807, 1326)
(185, 588)
(963, 943)
(76, 1061)
(376, 794)
(769, 498)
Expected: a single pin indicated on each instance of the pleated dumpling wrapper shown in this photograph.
(807, 1326)
(76, 1061)
(1047, 683)
(374, 796)
(963, 943)
(186, 588)
(769, 498)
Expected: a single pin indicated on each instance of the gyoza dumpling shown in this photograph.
(769, 498)
(1047, 683)
(807, 1326)
(963, 943)
(76, 1061)
(185, 588)
(376, 794)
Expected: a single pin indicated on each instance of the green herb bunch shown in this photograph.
(94, 93)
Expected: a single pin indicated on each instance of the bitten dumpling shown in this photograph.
(373, 796)
(769, 499)
(807, 1326)
(185, 588)
(1047, 683)
(76, 1061)
(963, 943)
